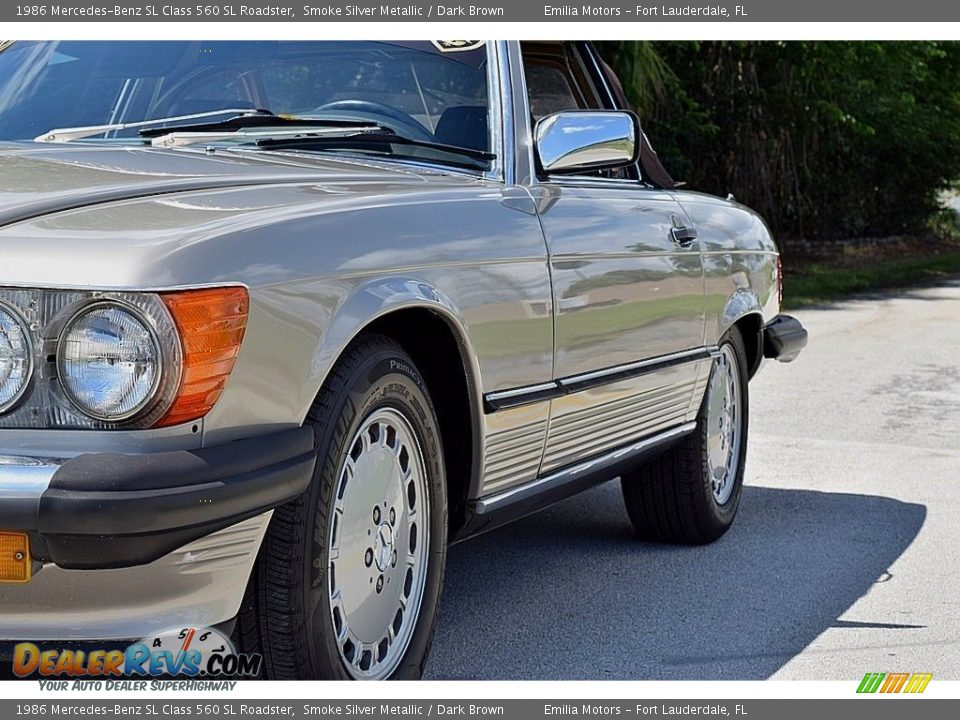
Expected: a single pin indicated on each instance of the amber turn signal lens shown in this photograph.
(14, 557)
(211, 324)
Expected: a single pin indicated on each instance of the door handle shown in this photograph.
(683, 236)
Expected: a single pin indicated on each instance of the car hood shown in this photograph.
(39, 180)
(96, 216)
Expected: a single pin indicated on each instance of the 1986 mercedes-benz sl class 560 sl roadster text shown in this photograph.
(281, 320)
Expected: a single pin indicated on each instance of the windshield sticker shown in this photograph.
(447, 46)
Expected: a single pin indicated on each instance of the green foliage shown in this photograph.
(824, 282)
(826, 139)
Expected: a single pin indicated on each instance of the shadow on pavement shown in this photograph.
(570, 594)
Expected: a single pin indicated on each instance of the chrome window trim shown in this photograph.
(590, 181)
(521, 143)
(529, 394)
(591, 52)
(497, 125)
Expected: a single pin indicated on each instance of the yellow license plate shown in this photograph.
(14, 557)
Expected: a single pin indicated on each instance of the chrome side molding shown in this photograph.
(515, 397)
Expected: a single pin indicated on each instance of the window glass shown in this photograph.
(414, 88)
(556, 79)
(550, 91)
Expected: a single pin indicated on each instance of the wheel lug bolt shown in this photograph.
(376, 515)
(380, 584)
(393, 560)
(393, 516)
(368, 557)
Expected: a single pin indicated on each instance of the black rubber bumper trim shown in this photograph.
(108, 511)
(783, 338)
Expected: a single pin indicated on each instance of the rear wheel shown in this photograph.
(691, 492)
(348, 580)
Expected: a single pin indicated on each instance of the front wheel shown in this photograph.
(691, 492)
(348, 581)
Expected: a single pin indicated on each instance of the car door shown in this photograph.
(628, 289)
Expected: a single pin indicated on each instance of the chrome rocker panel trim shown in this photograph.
(500, 508)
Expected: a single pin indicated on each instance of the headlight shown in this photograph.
(102, 360)
(109, 361)
(16, 360)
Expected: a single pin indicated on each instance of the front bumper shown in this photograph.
(783, 338)
(199, 585)
(100, 511)
(129, 545)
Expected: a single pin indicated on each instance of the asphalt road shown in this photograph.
(843, 559)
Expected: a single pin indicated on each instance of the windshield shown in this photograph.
(424, 91)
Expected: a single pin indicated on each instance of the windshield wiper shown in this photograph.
(261, 119)
(250, 128)
(67, 134)
(379, 136)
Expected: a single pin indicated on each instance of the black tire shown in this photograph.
(670, 498)
(286, 614)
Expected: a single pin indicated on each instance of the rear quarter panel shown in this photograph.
(739, 261)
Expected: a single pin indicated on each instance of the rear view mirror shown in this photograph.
(580, 140)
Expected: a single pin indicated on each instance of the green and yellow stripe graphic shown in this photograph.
(894, 682)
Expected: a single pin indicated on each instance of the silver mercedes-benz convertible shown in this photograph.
(281, 320)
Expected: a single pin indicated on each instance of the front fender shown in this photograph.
(375, 299)
(296, 333)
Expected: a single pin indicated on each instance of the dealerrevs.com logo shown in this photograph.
(887, 683)
(184, 652)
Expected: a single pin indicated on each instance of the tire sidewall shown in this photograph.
(387, 378)
(724, 514)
